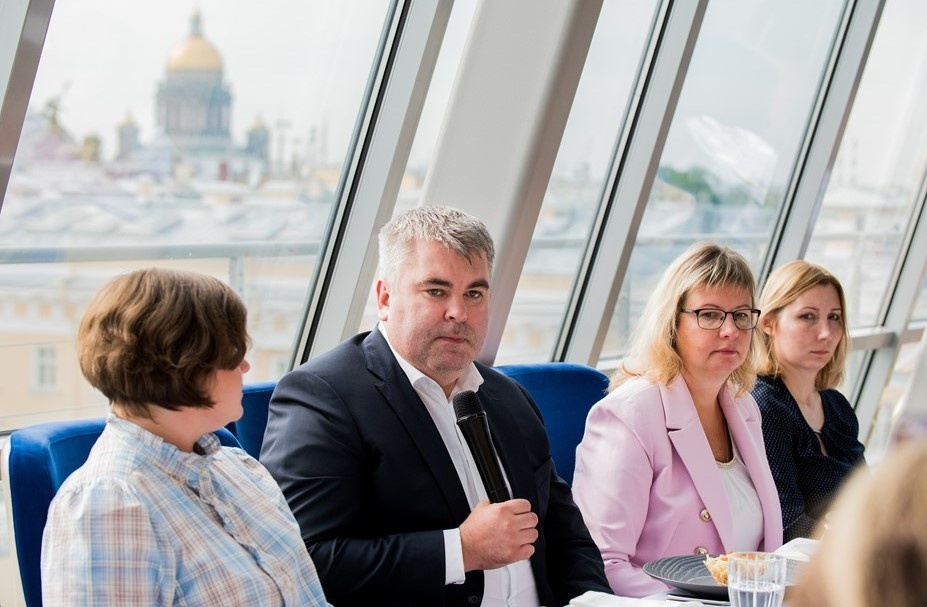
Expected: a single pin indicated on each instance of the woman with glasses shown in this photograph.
(672, 461)
(810, 429)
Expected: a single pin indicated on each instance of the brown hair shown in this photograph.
(652, 352)
(156, 336)
(785, 285)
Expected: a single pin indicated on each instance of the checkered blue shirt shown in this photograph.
(143, 523)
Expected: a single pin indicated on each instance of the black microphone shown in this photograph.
(475, 427)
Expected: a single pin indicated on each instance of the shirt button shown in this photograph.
(704, 515)
(700, 550)
(473, 599)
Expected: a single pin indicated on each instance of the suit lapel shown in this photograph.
(399, 395)
(688, 437)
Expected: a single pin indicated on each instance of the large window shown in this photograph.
(742, 116)
(208, 136)
(892, 401)
(879, 171)
(578, 180)
(219, 137)
(429, 126)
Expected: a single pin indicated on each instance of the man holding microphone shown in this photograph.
(365, 444)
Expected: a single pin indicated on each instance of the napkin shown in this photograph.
(600, 599)
(798, 549)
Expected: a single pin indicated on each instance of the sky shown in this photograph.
(305, 63)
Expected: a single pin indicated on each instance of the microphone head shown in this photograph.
(466, 404)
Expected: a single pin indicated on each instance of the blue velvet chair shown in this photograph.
(564, 392)
(35, 462)
(250, 428)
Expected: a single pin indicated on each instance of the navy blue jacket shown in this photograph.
(372, 485)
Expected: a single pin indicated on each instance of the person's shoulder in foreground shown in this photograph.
(873, 551)
(364, 443)
(161, 513)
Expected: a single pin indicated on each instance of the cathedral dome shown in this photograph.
(194, 53)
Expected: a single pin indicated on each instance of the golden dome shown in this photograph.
(194, 53)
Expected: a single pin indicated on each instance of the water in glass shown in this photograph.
(756, 594)
(756, 579)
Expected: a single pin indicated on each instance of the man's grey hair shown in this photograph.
(459, 232)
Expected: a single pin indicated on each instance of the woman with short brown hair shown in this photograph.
(161, 513)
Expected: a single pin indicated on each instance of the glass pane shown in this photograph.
(429, 125)
(741, 119)
(878, 171)
(852, 370)
(887, 412)
(208, 138)
(578, 178)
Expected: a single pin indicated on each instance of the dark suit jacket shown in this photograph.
(372, 486)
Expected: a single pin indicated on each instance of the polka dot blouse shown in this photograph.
(806, 479)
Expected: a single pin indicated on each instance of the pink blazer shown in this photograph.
(648, 486)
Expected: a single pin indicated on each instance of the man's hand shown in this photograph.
(496, 535)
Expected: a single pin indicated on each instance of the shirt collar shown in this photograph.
(470, 379)
(169, 457)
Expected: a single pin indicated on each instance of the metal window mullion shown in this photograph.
(824, 135)
(632, 174)
(370, 184)
(23, 25)
(909, 277)
(870, 338)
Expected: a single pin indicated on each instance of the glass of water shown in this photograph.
(756, 579)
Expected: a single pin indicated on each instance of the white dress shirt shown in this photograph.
(510, 586)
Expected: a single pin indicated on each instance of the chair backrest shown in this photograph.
(249, 429)
(36, 461)
(564, 392)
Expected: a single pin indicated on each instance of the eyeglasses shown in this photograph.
(713, 318)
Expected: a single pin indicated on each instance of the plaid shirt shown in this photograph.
(142, 523)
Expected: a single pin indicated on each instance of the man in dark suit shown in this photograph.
(364, 444)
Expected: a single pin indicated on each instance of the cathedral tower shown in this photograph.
(194, 103)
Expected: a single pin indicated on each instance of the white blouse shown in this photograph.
(746, 511)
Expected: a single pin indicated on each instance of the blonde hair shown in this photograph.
(156, 336)
(784, 285)
(874, 551)
(652, 351)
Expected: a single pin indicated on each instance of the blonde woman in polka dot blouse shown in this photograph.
(810, 430)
